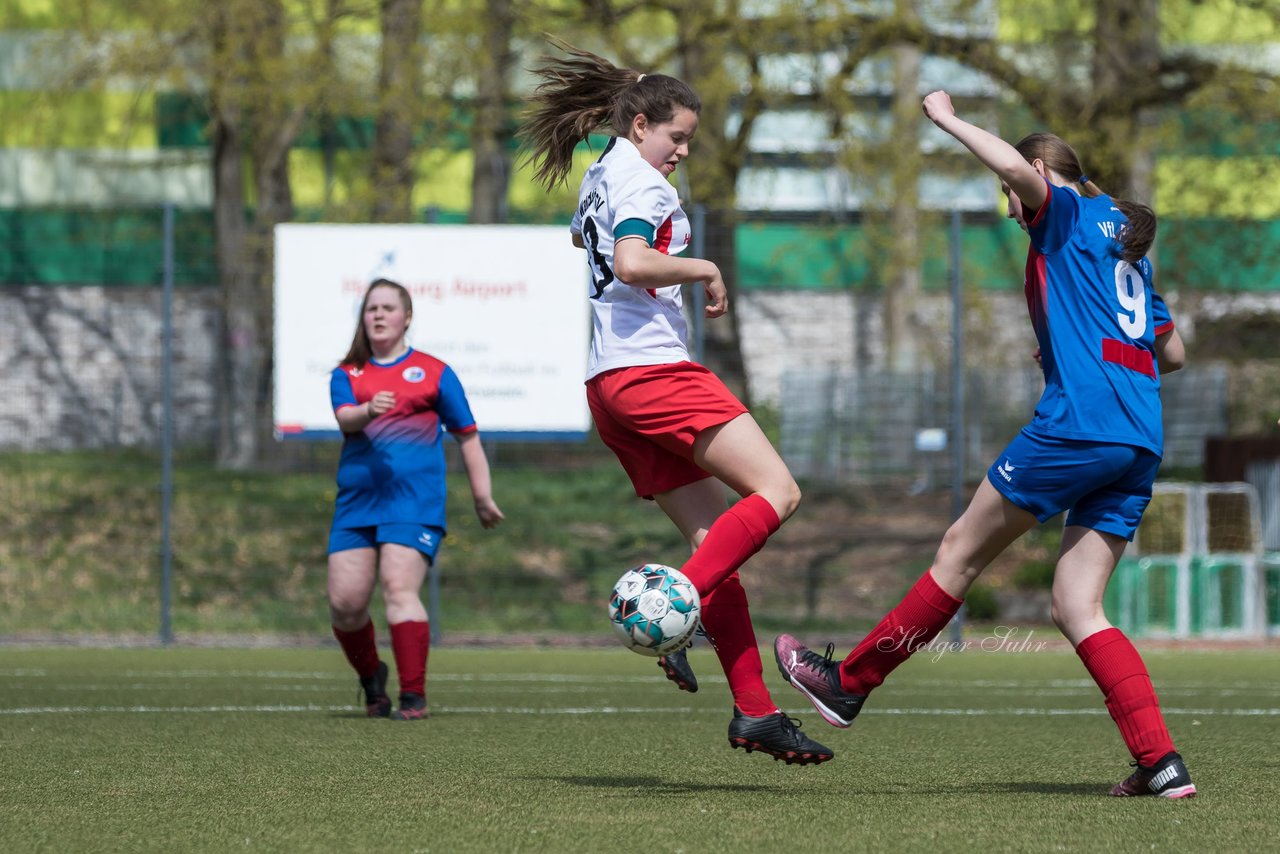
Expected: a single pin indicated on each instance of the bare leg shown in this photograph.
(352, 574)
(1085, 563)
(986, 528)
(741, 456)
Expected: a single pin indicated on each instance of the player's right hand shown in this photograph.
(937, 106)
(381, 403)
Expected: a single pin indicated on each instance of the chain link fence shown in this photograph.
(94, 524)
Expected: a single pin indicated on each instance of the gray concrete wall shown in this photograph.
(84, 363)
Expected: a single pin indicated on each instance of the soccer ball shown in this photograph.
(654, 609)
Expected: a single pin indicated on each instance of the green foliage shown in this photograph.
(80, 547)
(1034, 575)
(980, 603)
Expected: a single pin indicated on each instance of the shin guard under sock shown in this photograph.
(740, 532)
(912, 623)
(726, 618)
(1116, 666)
(410, 643)
(360, 648)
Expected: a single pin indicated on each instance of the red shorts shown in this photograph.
(650, 415)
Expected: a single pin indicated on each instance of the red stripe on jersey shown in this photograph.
(1163, 328)
(1036, 287)
(1039, 215)
(662, 240)
(1127, 355)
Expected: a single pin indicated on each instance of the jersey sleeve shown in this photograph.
(647, 202)
(340, 392)
(455, 412)
(1161, 319)
(1050, 229)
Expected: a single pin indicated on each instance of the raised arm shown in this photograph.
(996, 154)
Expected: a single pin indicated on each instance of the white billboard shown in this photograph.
(505, 306)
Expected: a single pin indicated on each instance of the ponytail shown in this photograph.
(584, 93)
(1137, 235)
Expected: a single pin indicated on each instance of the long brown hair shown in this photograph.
(361, 352)
(583, 93)
(1138, 233)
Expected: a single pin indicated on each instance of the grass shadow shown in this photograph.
(651, 785)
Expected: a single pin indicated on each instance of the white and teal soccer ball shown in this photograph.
(654, 609)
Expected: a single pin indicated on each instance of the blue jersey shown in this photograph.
(1096, 318)
(393, 470)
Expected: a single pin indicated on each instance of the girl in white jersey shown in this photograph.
(679, 433)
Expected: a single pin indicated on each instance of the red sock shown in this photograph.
(410, 642)
(727, 620)
(740, 532)
(912, 623)
(361, 649)
(1118, 669)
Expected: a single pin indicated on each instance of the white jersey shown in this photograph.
(623, 195)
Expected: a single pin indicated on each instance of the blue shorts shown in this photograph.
(1105, 486)
(424, 538)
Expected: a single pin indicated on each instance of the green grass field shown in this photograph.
(184, 749)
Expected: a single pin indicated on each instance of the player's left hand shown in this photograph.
(488, 513)
(717, 298)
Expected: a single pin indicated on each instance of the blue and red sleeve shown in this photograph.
(455, 412)
(340, 391)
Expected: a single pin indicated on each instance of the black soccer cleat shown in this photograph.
(676, 666)
(413, 707)
(777, 735)
(376, 702)
(1168, 778)
(818, 678)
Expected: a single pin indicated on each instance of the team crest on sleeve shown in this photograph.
(414, 374)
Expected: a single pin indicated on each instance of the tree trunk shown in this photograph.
(712, 182)
(903, 281)
(492, 132)
(399, 91)
(1126, 57)
(251, 117)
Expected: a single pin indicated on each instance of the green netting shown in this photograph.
(1271, 577)
(122, 246)
(103, 247)
(1218, 594)
(1142, 598)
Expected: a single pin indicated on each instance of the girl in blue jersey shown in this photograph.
(679, 433)
(1092, 448)
(393, 404)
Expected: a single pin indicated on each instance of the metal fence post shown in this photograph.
(957, 394)
(166, 434)
(699, 227)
